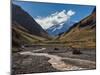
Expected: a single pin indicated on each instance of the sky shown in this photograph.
(49, 14)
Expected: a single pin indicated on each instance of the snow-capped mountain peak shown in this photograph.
(57, 29)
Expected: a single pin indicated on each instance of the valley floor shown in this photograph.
(40, 59)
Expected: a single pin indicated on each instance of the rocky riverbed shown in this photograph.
(45, 59)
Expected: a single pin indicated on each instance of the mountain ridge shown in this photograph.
(26, 21)
(25, 30)
(82, 33)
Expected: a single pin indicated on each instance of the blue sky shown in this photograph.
(43, 10)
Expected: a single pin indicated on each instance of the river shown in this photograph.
(55, 61)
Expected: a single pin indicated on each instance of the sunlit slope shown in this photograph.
(82, 34)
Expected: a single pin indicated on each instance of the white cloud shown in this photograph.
(70, 13)
(55, 18)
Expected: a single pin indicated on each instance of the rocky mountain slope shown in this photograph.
(24, 28)
(82, 34)
(21, 36)
(26, 21)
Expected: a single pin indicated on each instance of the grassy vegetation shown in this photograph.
(82, 34)
(80, 38)
(24, 37)
(21, 36)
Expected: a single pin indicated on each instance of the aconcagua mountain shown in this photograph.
(55, 30)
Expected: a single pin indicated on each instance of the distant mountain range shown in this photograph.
(55, 30)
